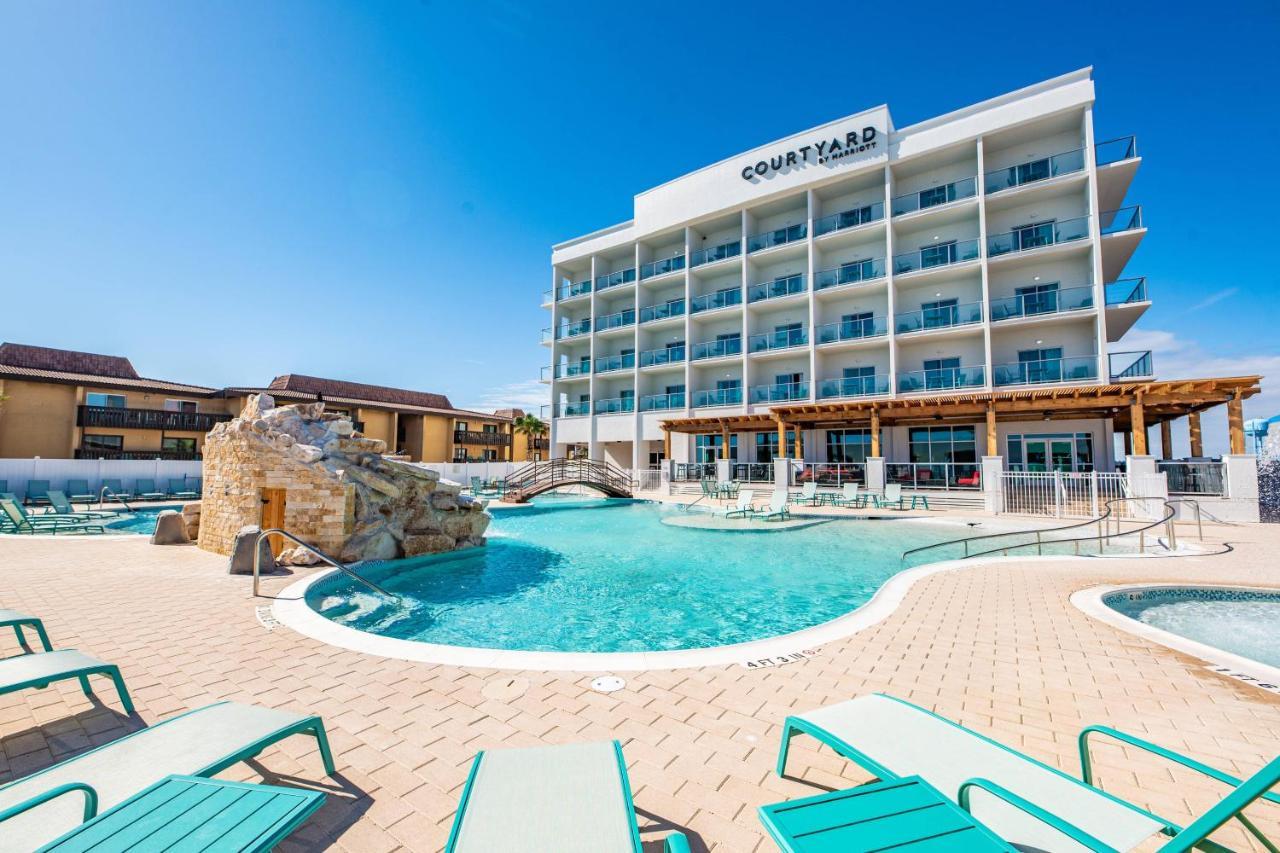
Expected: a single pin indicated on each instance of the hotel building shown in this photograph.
(855, 269)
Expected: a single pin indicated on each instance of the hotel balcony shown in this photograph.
(661, 402)
(853, 272)
(574, 330)
(942, 317)
(168, 455)
(777, 237)
(1127, 300)
(1082, 368)
(615, 406)
(119, 418)
(1130, 366)
(665, 355)
(779, 288)
(846, 219)
(666, 266)
(539, 444)
(772, 341)
(618, 320)
(780, 393)
(1117, 162)
(613, 363)
(853, 386)
(1038, 236)
(935, 196)
(668, 310)
(720, 299)
(565, 292)
(932, 257)
(1122, 230)
(851, 330)
(941, 379)
(1046, 302)
(616, 279)
(715, 253)
(570, 370)
(717, 397)
(1043, 169)
(579, 409)
(716, 349)
(471, 436)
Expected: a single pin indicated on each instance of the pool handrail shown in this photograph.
(342, 567)
(102, 498)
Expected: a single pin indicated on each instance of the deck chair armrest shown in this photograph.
(1072, 831)
(90, 800)
(676, 843)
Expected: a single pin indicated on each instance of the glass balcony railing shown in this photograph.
(716, 349)
(568, 370)
(570, 290)
(573, 330)
(941, 379)
(1124, 219)
(848, 219)
(1083, 368)
(718, 397)
(1037, 236)
(850, 273)
(712, 254)
(662, 402)
(940, 255)
(670, 308)
(940, 317)
(666, 355)
(853, 386)
(934, 196)
(780, 393)
(777, 237)
(719, 299)
(613, 279)
(616, 320)
(1044, 302)
(609, 363)
(1036, 170)
(851, 330)
(547, 336)
(615, 405)
(777, 288)
(1115, 150)
(573, 410)
(1131, 365)
(662, 267)
(784, 339)
(1126, 291)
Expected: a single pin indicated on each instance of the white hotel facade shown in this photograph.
(982, 250)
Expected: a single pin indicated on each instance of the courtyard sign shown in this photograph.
(818, 152)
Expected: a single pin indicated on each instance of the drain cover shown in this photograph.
(608, 684)
(505, 689)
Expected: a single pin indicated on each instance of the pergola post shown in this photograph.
(993, 445)
(1166, 440)
(1128, 442)
(1138, 426)
(782, 439)
(799, 444)
(1197, 439)
(875, 432)
(1235, 422)
(724, 440)
(666, 445)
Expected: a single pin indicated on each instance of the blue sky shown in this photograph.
(227, 191)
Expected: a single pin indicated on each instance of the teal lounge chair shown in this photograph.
(37, 492)
(43, 668)
(744, 507)
(1027, 803)
(4, 487)
(77, 491)
(777, 510)
(146, 490)
(15, 620)
(35, 810)
(115, 489)
(60, 505)
(850, 497)
(892, 497)
(808, 494)
(572, 798)
(178, 489)
(14, 519)
(709, 489)
(9, 496)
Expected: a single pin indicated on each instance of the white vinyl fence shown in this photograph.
(15, 473)
(1062, 494)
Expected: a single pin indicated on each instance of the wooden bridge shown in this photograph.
(538, 477)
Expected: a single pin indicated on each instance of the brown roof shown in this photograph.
(66, 361)
(508, 413)
(358, 391)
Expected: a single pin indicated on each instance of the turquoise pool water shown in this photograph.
(575, 575)
(1240, 621)
(141, 520)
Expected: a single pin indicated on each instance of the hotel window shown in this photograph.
(848, 445)
(1068, 452)
(857, 380)
(1038, 298)
(943, 312)
(102, 442)
(941, 372)
(858, 325)
(937, 254)
(178, 445)
(1036, 170)
(491, 428)
(490, 455)
(109, 401)
(459, 426)
(1033, 234)
(931, 445)
(180, 406)
(767, 444)
(1041, 365)
(707, 448)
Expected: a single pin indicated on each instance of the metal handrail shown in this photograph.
(102, 493)
(342, 567)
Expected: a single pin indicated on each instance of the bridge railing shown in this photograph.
(554, 471)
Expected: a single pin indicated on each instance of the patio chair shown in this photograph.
(59, 504)
(115, 489)
(850, 497)
(77, 491)
(808, 494)
(10, 496)
(571, 798)
(727, 489)
(15, 620)
(1027, 803)
(892, 496)
(777, 510)
(744, 508)
(37, 492)
(201, 743)
(973, 481)
(146, 490)
(14, 519)
(708, 488)
(178, 489)
(41, 669)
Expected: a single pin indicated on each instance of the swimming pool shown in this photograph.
(608, 576)
(1243, 622)
(142, 520)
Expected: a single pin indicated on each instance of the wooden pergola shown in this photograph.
(1133, 407)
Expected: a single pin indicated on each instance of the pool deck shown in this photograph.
(998, 647)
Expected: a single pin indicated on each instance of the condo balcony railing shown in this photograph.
(539, 444)
(170, 455)
(851, 330)
(940, 317)
(718, 397)
(662, 267)
(941, 379)
(570, 290)
(850, 273)
(572, 410)
(1036, 170)
(1126, 291)
(716, 349)
(719, 299)
(853, 386)
(934, 475)
(1042, 302)
(118, 418)
(615, 405)
(777, 237)
(473, 436)
(1131, 365)
(567, 370)
(1124, 219)
(613, 279)
(1115, 150)
(848, 219)
(1038, 235)
(780, 393)
(776, 289)
(662, 402)
(609, 363)
(665, 355)
(711, 254)
(940, 255)
(573, 330)
(616, 320)
(784, 339)
(693, 471)
(1193, 478)
(934, 196)
(1082, 368)
(752, 472)
(670, 308)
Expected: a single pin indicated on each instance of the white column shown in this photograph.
(1240, 483)
(875, 474)
(724, 470)
(781, 472)
(993, 483)
(1145, 481)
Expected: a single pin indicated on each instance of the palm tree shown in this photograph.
(530, 426)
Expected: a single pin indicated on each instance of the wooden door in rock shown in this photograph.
(273, 502)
